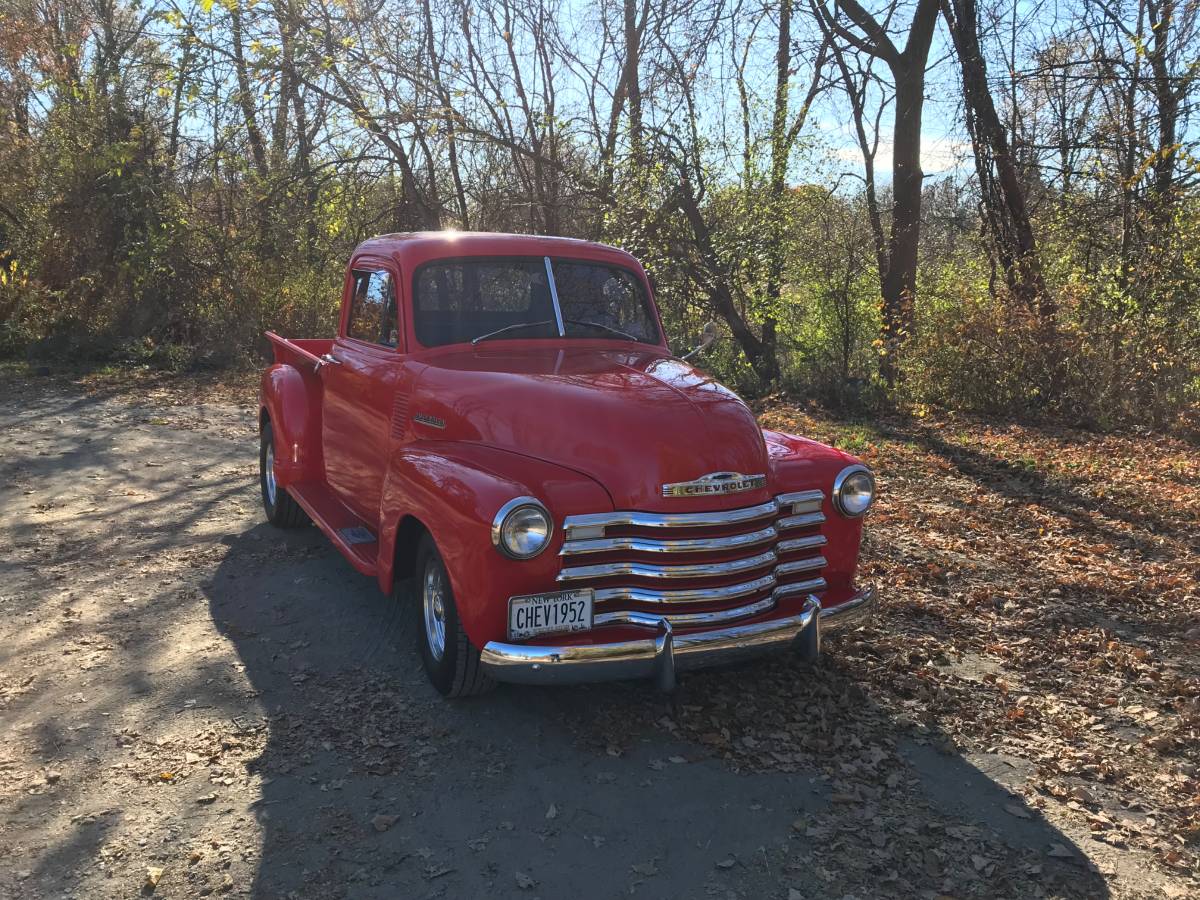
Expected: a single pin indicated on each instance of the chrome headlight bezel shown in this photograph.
(519, 506)
(845, 476)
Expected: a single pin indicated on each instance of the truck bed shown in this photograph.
(303, 353)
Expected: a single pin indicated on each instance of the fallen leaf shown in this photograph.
(727, 863)
(524, 882)
(552, 812)
(153, 875)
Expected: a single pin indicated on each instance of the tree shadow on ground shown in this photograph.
(1062, 496)
(750, 782)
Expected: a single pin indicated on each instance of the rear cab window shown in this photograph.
(373, 315)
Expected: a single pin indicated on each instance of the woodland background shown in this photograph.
(177, 176)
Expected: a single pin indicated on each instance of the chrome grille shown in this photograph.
(696, 569)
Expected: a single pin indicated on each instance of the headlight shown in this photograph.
(854, 491)
(522, 528)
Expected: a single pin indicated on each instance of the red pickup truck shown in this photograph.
(500, 434)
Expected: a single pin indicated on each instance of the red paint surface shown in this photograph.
(584, 425)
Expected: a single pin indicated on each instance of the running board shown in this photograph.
(348, 532)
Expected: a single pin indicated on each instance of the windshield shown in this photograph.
(461, 301)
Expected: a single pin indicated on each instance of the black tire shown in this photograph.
(282, 510)
(457, 672)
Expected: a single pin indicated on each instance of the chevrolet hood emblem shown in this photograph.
(714, 483)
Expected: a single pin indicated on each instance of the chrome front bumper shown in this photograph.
(667, 653)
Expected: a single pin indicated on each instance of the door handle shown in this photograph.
(328, 359)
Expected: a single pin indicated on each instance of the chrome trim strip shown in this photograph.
(658, 657)
(558, 316)
(693, 595)
(852, 613)
(801, 587)
(671, 520)
(837, 489)
(684, 620)
(686, 545)
(801, 543)
(800, 565)
(647, 570)
(502, 514)
(801, 521)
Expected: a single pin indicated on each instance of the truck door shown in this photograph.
(358, 387)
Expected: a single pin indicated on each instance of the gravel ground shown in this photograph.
(193, 704)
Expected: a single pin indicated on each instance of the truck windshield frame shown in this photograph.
(459, 300)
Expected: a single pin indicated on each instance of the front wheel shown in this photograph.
(451, 660)
(282, 511)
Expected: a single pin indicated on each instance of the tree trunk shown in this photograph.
(245, 95)
(177, 103)
(760, 355)
(899, 282)
(1002, 192)
(1167, 114)
(633, 56)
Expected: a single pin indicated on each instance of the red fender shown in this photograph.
(797, 463)
(455, 490)
(293, 404)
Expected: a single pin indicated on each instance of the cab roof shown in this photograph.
(410, 249)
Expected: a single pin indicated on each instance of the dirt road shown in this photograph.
(191, 698)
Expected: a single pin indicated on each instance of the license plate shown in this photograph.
(554, 613)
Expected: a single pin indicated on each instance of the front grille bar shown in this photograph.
(801, 543)
(599, 521)
(648, 570)
(693, 595)
(683, 545)
(802, 587)
(800, 565)
(804, 520)
(717, 617)
(686, 620)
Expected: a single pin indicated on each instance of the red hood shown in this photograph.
(633, 420)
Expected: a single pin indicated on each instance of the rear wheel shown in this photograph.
(451, 660)
(282, 511)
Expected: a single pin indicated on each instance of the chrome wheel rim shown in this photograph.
(433, 600)
(269, 474)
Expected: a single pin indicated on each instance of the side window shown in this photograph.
(373, 309)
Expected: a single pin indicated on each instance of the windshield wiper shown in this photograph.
(608, 328)
(513, 327)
